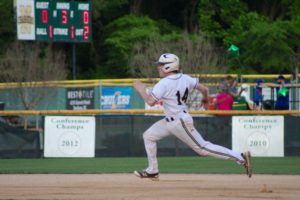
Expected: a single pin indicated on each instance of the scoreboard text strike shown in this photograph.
(62, 21)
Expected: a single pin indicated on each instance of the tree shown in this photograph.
(266, 47)
(121, 35)
(7, 26)
(31, 66)
(198, 55)
(268, 36)
(216, 17)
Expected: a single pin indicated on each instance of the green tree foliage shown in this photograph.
(122, 33)
(266, 32)
(216, 17)
(7, 25)
(266, 45)
(196, 52)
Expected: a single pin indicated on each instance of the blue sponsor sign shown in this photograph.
(116, 97)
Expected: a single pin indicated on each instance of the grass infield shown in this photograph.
(199, 165)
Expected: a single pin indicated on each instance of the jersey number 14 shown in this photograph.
(183, 98)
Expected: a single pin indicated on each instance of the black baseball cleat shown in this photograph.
(144, 174)
(247, 164)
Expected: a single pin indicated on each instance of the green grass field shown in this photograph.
(286, 165)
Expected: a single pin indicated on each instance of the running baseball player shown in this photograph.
(173, 89)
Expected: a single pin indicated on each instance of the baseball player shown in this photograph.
(173, 89)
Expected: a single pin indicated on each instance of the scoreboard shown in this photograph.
(52, 20)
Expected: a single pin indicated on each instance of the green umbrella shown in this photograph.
(234, 51)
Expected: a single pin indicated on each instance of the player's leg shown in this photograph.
(156, 132)
(185, 131)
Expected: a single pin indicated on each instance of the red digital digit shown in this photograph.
(44, 16)
(86, 17)
(72, 32)
(64, 16)
(50, 31)
(86, 32)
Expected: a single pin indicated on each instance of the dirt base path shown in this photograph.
(129, 187)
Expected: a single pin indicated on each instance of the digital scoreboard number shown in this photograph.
(65, 21)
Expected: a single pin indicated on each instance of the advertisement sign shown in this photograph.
(261, 135)
(116, 97)
(25, 20)
(80, 98)
(69, 136)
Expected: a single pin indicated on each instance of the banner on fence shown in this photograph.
(69, 136)
(261, 135)
(116, 97)
(80, 98)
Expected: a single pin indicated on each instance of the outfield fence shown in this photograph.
(119, 132)
(61, 95)
(119, 129)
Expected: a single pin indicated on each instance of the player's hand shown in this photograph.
(138, 85)
(204, 103)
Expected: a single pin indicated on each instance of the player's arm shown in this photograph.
(204, 90)
(141, 89)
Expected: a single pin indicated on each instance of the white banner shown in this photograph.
(25, 20)
(261, 135)
(69, 136)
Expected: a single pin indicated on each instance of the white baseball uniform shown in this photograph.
(173, 90)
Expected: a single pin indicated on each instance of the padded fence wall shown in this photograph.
(121, 135)
(18, 143)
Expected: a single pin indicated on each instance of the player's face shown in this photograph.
(160, 71)
(280, 81)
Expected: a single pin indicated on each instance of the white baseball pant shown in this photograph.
(183, 128)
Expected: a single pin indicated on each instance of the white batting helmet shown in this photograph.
(169, 61)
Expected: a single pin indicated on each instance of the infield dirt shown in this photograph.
(129, 187)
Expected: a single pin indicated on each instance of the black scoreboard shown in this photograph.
(66, 21)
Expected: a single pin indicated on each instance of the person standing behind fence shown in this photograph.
(282, 94)
(224, 100)
(258, 95)
(173, 89)
(232, 85)
(245, 94)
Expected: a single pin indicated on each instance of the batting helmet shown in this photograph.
(169, 61)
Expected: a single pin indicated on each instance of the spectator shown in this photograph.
(244, 92)
(232, 85)
(258, 96)
(282, 94)
(224, 100)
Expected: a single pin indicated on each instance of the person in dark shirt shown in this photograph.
(232, 84)
(282, 93)
(258, 95)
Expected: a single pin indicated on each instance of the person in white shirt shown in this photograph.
(244, 92)
(173, 89)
